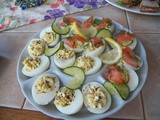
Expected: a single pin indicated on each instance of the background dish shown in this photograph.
(50, 110)
(134, 9)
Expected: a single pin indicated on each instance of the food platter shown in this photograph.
(134, 9)
(50, 109)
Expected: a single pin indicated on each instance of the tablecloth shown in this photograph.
(12, 16)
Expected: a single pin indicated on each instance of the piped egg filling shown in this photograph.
(49, 37)
(31, 63)
(64, 97)
(89, 47)
(37, 48)
(96, 97)
(85, 62)
(65, 54)
(45, 84)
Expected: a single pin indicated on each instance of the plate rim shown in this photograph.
(131, 10)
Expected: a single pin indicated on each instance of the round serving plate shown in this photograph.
(134, 9)
(50, 109)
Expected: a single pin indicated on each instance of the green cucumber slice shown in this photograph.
(78, 77)
(119, 89)
(60, 31)
(51, 51)
(104, 33)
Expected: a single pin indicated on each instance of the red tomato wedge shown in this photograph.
(97, 42)
(114, 74)
(79, 38)
(104, 23)
(88, 23)
(68, 21)
(72, 41)
(124, 36)
(130, 57)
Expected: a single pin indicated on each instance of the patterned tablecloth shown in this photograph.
(12, 16)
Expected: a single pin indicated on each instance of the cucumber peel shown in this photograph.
(51, 51)
(121, 90)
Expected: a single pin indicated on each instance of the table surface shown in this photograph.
(145, 106)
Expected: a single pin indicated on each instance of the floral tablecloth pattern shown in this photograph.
(12, 16)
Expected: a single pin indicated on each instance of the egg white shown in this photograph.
(64, 63)
(95, 53)
(134, 68)
(96, 110)
(45, 98)
(75, 105)
(49, 29)
(44, 65)
(34, 39)
(77, 50)
(96, 67)
(133, 79)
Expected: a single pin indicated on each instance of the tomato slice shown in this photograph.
(79, 38)
(88, 23)
(114, 74)
(72, 41)
(70, 20)
(130, 57)
(124, 36)
(104, 23)
(62, 24)
(97, 42)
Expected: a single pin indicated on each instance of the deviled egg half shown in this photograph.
(49, 36)
(75, 43)
(44, 89)
(106, 23)
(35, 66)
(96, 98)
(68, 101)
(36, 47)
(126, 39)
(122, 74)
(95, 47)
(89, 64)
(64, 58)
(131, 59)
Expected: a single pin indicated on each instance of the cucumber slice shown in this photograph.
(51, 51)
(78, 77)
(104, 33)
(110, 88)
(119, 89)
(60, 31)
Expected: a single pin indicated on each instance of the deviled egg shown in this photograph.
(36, 47)
(68, 101)
(89, 64)
(122, 74)
(44, 89)
(95, 47)
(64, 58)
(35, 66)
(49, 36)
(131, 59)
(96, 98)
(126, 39)
(75, 43)
(107, 24)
